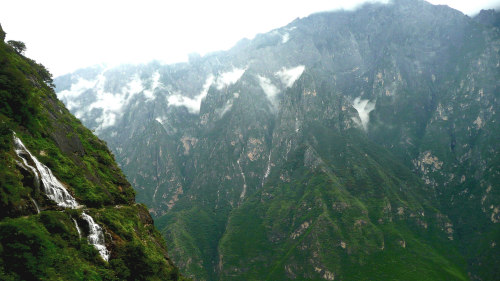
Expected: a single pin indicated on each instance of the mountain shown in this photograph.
(488, 17)
(66, 211)
(348, 145)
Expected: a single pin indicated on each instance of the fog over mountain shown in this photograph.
(346, 145)
(61, 35)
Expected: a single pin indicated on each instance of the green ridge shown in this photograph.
(46, 246)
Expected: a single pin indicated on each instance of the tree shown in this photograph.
(2, 34)
(18, 46)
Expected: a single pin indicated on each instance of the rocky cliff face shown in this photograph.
(488, 17)
(346, 145)
(66, 210)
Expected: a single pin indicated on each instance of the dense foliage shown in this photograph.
(47, 245)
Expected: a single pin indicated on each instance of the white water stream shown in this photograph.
(36, 205)
(268, 169)
(96, 237)
(53, 188)
(56, 191)
(244, 191)
(77, 228)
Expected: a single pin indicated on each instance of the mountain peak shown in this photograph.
(349, 145)
(488, 17)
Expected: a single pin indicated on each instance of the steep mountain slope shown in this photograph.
(488, 17)
(67, 211)
(347, 145)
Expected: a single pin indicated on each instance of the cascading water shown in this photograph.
(77, 228)
(55, 190)
(268, 169)
(244, 181)
(96, 236)
(36, 205)
(27, 167)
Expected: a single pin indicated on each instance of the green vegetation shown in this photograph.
(47, 246)
(412, 194)
(336, 220)
(18, 46)
(76, 157)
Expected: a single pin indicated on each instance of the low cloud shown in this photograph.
(285, 38)
(267, 86)
(68, 96)
(364, 107)
(269, 89)
(228, 78)
(110, 104)
(192, 104)
(288, 76)
(149, 93)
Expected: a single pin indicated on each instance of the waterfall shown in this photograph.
(27, 167)
(268, 169)
(77, 228)
(96, 237)
(36, 205)
(244, 181)
(53, 188)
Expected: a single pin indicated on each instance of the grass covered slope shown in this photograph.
(49, 245)
(350, 214)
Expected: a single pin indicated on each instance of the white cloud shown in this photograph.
(70, 104)
(106, 120)
(108, 102)
(112, 104)
(79, 114)
(156, 80)
(149, 93)
(288, 76)
(228, 78)
(267, 86)
(269, 89)
(134, 86)
(76, 41)
(468, 7)
(364, 107)
(192, 104)
(285, 38)
(75, 91)
(115, 101)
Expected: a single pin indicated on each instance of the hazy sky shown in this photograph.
(66, 35)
